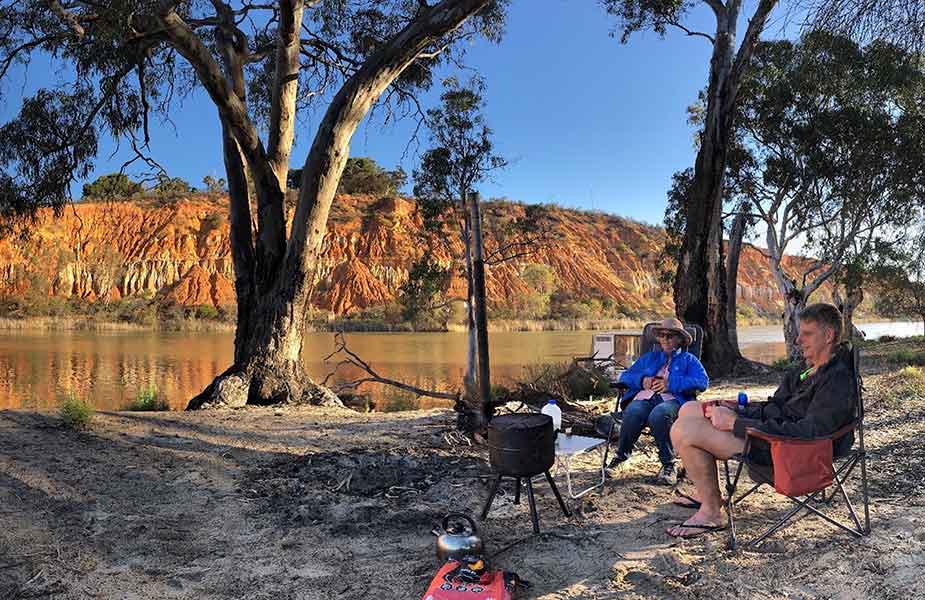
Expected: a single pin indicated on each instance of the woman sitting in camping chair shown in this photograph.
(659, 383)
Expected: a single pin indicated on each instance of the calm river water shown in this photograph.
(109, 368)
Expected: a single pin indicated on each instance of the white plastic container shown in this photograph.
(552, 409)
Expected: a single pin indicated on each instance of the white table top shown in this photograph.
(575, 444)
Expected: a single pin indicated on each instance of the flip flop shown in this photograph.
(685, 501)
(699, 529)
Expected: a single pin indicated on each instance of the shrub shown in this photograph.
(206, 312)
(75, 413)
(113, 186)
(906, 357)
(148, 399)
(395, 399)
(783, 364)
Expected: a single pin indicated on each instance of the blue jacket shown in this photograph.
(686, 375)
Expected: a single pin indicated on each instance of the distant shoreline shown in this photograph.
(79, 323)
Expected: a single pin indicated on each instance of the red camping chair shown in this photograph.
(804, 469)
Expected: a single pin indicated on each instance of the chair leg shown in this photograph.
(491, 497)
(517, 492)
(730, 504)
(555, 491)
(532, 501)
(864, 491)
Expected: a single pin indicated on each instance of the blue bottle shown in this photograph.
(743, 401)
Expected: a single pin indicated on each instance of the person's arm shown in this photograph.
(694, 377)
(634, 375)
(831, 407)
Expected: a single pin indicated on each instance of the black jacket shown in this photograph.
(816, 407)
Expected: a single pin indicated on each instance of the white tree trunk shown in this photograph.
(793, 306)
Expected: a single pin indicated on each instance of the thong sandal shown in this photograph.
(699, 529)
(685, 501)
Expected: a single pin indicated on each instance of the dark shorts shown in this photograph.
(760, 452)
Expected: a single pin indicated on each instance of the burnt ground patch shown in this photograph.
(358, 489)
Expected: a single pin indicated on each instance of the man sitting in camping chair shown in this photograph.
(810, 403)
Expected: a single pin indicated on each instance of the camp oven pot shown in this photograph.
(521, 444)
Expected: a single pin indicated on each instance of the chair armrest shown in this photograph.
(770, 437)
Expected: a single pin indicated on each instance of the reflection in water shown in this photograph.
(109, 368)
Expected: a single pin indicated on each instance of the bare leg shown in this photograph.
(699, 444)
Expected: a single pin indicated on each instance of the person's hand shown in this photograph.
(721, 417)
(647, 383)
(659, 385)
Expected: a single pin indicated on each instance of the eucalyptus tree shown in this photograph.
(462, 156)
(700, 292)
(901, 282)
(902, 22)
(834, 159)
(262, 64)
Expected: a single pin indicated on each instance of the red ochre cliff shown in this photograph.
(180, 253)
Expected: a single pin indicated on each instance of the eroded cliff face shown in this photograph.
(180, 253)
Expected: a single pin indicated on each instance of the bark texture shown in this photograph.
(736, 235)
(272, 275)
(700, 291)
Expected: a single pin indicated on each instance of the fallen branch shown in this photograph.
(354, 360)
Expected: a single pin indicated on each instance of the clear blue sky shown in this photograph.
(586, 121)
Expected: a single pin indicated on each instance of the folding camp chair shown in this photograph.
(608, 426)
(833, 466)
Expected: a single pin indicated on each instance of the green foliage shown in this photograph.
(901, 284)
(205, 312)
(541, 280)
(75, 413)
(112, 186)
(423, 294)
(906, 357)
(362, 175)
(148, 399)
(830, 131)
(675, 224)
(783, 364)
(462, 154)
(171, 188)
(214, 185)
(639, 15)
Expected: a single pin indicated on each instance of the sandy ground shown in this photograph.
(333, 504)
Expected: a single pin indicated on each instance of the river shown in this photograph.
(108, 369)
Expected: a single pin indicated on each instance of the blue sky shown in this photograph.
(586, 121)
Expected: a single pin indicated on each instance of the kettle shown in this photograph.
(457, 537)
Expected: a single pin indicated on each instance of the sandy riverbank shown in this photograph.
(320, 504)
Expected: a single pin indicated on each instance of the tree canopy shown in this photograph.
(126, 62)
(828, 139)
(114, 185)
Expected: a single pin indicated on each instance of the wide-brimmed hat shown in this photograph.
(674, 326)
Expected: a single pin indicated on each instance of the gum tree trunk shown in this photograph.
(736, 234)
(700, 292)
(478, 295)
(273, 275)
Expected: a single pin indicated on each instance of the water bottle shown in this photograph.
(553, 410)
(743, 401)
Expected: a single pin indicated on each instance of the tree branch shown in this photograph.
(691, 33)
(69, 19)
(340, 344)
(285, 87)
